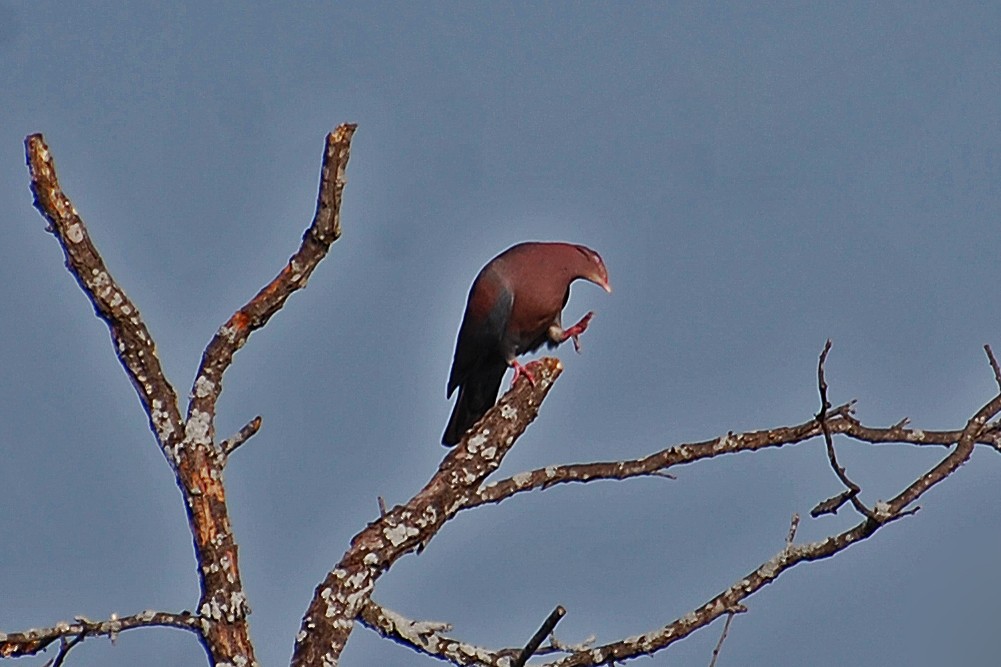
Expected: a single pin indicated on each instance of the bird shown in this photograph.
(514, 307)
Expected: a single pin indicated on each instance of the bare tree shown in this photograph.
(344, 597)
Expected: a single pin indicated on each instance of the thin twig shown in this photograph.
(544, 631)
(853, 488)
(832, 504)
(793, 527)
(825, 404)
(229, 445)
(994, 364)
(65, 647)
(722, 637)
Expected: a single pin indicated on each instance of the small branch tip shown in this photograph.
(231, 444)
(994, 364)
(536, 641)
(793, 527)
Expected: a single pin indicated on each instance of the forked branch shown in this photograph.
(189, 443)
(316, 241)
(839, 421)
(851, 488)
(341, 596)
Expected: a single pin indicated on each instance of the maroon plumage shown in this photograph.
(514, 307)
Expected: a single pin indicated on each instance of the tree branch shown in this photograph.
(30, 642)
(853, 489)
(316, 241)
(948, 465)
(732, 598)
(994, 364)
(338, 600)
(839, 421)
(540, 635)
(64, 650)
(133, 343)
(722, 638)
(543, 478)
(977, 430)
(427, 637)
(230, 445)
(223, 598)
(791, 555)
(189, 444)
(657, 640)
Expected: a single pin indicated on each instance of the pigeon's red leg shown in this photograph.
(576, 330)
(520, 370)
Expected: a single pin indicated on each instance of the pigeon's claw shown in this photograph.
(519, 371)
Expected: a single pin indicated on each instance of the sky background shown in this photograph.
(757, 178)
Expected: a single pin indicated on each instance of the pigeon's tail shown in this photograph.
(477, 394)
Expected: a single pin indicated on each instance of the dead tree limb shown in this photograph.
(429, 638)
(733, 597)
(540, 635)
(132, 340)
(339, 599)
(30, 642)
(839, 420)
(851, 488)
(230, 445)
(189, 443)
(426, 637)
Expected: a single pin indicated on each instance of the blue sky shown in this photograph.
(757, 178)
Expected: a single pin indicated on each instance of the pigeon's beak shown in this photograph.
(600, 278)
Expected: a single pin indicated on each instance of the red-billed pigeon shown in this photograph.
(514, 307)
